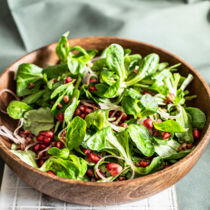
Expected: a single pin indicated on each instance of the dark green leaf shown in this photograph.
(16, 109)
(98, 118)
(140, 136)
(75, 133)
(169, 126)
(26, 74)
(38, 120)
(62, 153)
(198, 117)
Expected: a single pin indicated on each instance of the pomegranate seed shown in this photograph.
(90, 173)
(82, 116)
(158, 121)
(92, 88)
(86, 151)
(77, 112)
(43, 146)
(148, 123)
(196, 133)
(170, 97)
(144, 163)
(49, 134)
(82, 108)
(124, 125)
(166, 135)
(166, 165)
(114, 168)
(88, 111)
(59, 106)
(189, 146)
(124, 117)
(66, 99)
(156, 133)
(55, 80)
(60, 117)
(110, 113)
(53, 144)
(93, 157)
(100, 174)
(40, 163)
(121, 178)
(59, 144)
(68, 79)
(93, 80)
(40, 138)
(146, 92)
(47, 140)
(136, 71)
(36, 147)
(50, 172)
(31, 85)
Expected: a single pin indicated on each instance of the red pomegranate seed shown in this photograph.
(36, 147)
(31, 85)
(146, 92)
(170, 97)
(166, 165)
(66, 99)
(158, 121)
(82, 116)
(124, 125)
(92, 88)
(124, 117)
(82, 108)
(100, 174)
(43, 146)
(144, 163)
(88, 110)
(90, 173)
(40, 138)
(136, 71)
(196, 133)
(49, 134)
(93, 157)
(77, 112)
(110, 113)
(55, 80)
(40, 163)
(47, 140)
(60, 117)
(86, 151)
(68, 79)
(59, 144)
(50, 172)
(156, 133)
(59, 106)
(166, 135)
(92, 80)
(114, 168)
(121, 178)
(148, 123)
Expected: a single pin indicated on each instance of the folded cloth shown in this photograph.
(15, 194)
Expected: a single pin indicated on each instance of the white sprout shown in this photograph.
(13, 136)
(38, 155)
(87, 76)
(30, 145)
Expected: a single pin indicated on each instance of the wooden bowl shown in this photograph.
(90, 193)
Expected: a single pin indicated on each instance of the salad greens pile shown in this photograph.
(111, 117)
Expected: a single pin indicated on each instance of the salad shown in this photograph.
(102, 117)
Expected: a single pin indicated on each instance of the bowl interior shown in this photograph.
(47, 56)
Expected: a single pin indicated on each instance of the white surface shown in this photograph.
(17, 195)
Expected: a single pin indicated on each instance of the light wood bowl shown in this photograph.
(90, 193)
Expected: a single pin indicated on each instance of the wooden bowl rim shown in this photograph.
(203, 142)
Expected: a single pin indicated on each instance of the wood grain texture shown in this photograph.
(89, 193)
